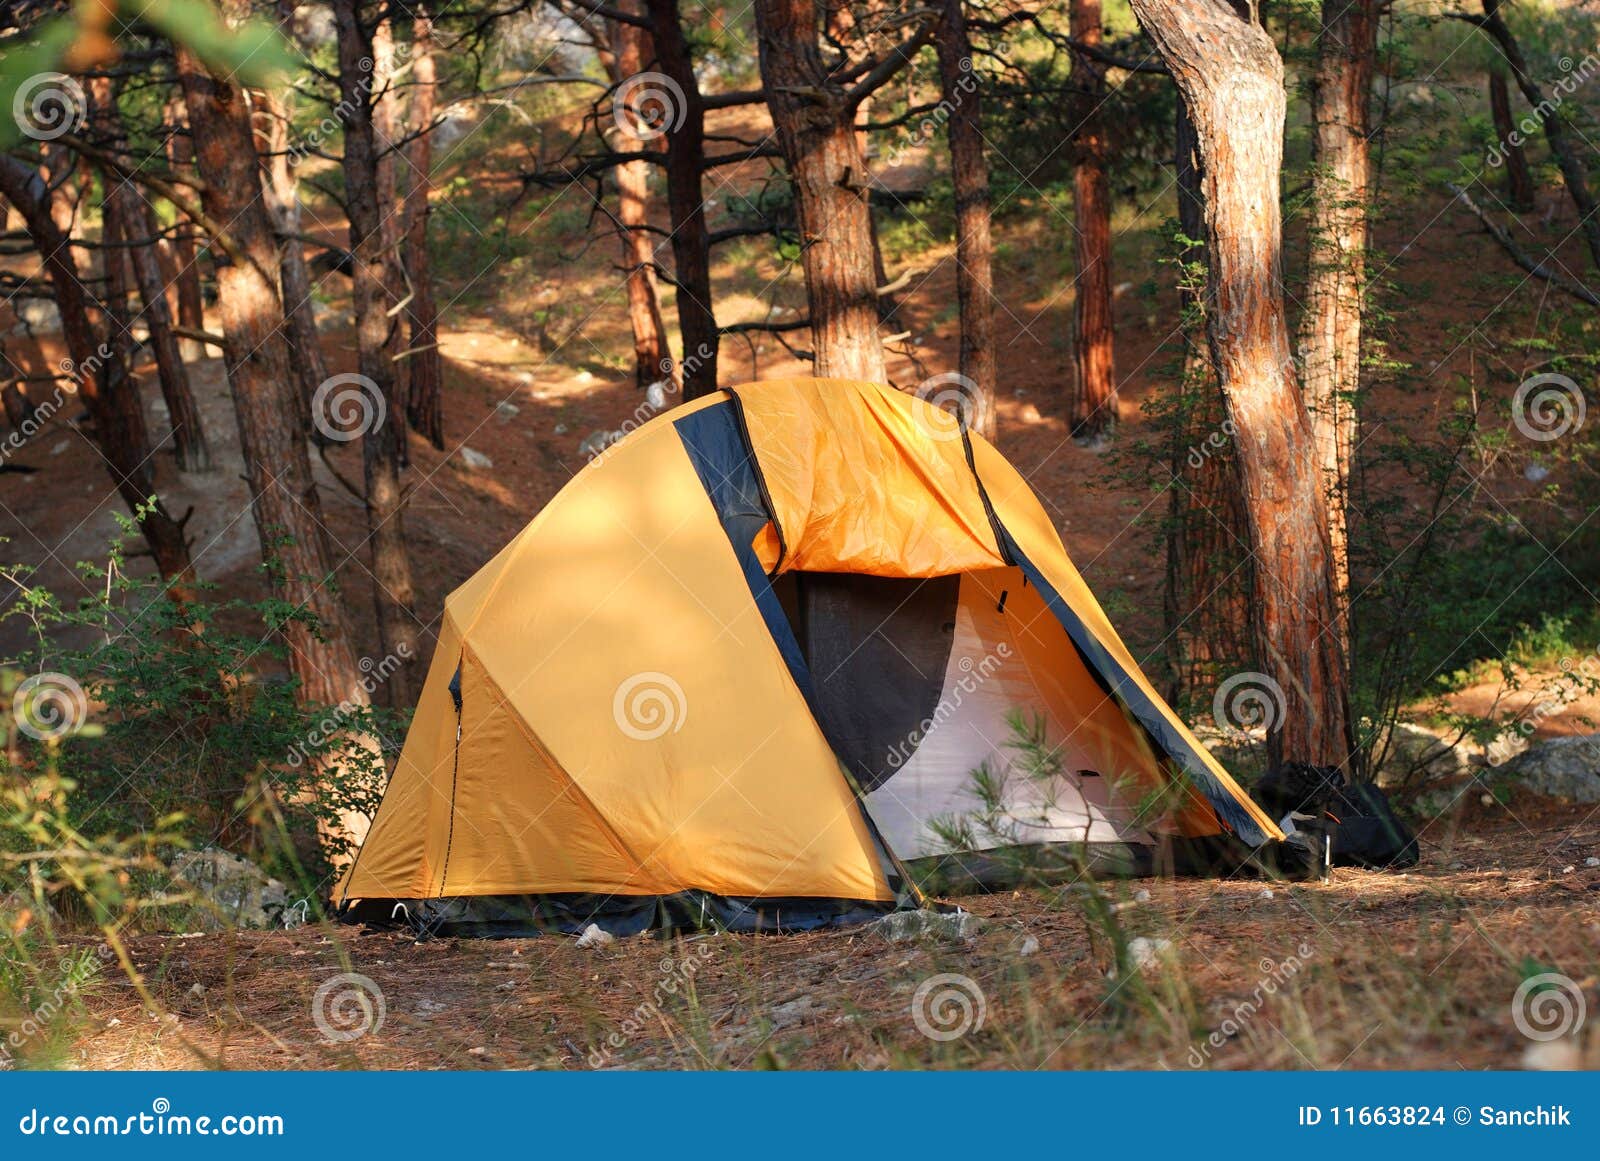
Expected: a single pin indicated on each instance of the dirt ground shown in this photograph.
(1413, 969)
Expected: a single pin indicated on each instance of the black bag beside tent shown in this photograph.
(1363, 827)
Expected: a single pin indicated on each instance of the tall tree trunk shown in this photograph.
(691, 241)
(1094, 403)
(277, 467)
(281, 193)
(1231, 79)
(969, 172)
(1330, 320)
(185, 253)
(652, 359)
(1206, 598)
(425, 396)
(110, 395)
(815, 121)
(1508, 142)
(376, 345)
(386, 121)
(125, 214)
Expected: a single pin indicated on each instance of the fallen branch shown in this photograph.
(1520, 256)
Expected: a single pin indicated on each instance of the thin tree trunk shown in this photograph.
(816, 129)
(1330, 320)
(1574, 173)
(425, 397)
(691, 241)
(376, 345)
(1094, 402)
(281, 192)
(1508, 142)
(185, 254)
(1231, 78)
(652, 359)
(284, 500)
(125, 214)
(969, 173)
(386, 121)
(110, 396)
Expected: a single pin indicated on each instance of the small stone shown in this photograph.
(198, 991)
(594, 937)
(475, 460)
(1265, 893)
(597, 442)
(506, 410)
(1145, 953)
(1028, 946)
(477, 1052)
(560, 429)
(1568, 870)
(792, 1012)
(900, 926)
(1552, 1056)
(1591, 861)
(1141, 896)
(427, 1007)
(1536, 473)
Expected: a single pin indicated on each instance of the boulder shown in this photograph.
(1567, 768)
(233, 892)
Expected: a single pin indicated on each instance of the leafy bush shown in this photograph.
(196, 731)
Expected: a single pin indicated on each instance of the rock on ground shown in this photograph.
(234, 892)
(900, 926)
(1566, 768)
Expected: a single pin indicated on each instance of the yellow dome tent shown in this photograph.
(753, 656)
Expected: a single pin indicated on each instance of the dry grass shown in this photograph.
(1373, 970)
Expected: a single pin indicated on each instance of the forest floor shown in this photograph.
(1371, 970)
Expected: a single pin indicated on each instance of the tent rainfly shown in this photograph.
(761, 665)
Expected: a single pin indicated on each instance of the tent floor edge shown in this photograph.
(526, 916)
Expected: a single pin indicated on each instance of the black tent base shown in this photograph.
(968, 873)
(522, 916)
